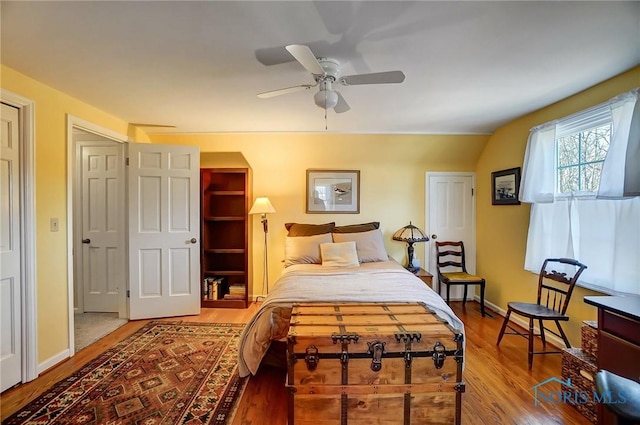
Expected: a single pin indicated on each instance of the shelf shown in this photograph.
(225, 251)
(224, 233)
(224, 192)
(223, 218)
(211, 273)
(224, 304)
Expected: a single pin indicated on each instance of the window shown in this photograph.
(582, 143)
(582, 176)
(580, 159)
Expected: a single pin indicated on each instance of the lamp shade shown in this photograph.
(262, 206)
(410, 234)
(326, 99)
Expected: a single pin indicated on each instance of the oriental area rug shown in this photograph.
(166, 373)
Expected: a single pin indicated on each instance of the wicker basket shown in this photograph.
(590, 338)
(580, 367)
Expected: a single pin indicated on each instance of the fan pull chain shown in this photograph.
(325, 120)
(325, 111)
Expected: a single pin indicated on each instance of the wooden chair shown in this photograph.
(557, 278)
(451, 254)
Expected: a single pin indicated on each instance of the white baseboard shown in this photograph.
(52, 361)
(551, 338)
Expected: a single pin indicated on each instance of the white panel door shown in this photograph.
(164, 230)
(451, 217)
(102, 227)
(10, 251)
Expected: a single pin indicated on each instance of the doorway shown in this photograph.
(97, 233)
(451, 216)
(160, 275)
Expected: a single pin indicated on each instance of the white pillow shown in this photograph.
(341, 254)
(369, 245)
(304, 249)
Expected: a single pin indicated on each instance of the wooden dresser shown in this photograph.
(618, 340)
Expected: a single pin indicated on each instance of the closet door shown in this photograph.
(164, 226)
(11, 279)
(450, 216)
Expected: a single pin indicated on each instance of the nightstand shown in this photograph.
(425, 276)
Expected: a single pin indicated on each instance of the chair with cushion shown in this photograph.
(557, 278)
(450, 256)
(620, 395)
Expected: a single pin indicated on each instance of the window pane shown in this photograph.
(595, 143)
(590, 176)
(568, 150)
(568, 179)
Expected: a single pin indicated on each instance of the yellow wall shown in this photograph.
(392, 175)
(502, 230)
(392, 188)
(52, 107)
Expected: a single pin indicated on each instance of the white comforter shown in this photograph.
(384, 281)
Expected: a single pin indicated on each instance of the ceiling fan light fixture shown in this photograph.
(326, 99)
(326, 72)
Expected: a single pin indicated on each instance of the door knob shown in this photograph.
(193, 240)
(86, 241)
(434, 236)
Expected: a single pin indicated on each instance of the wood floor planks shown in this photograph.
(498, 391)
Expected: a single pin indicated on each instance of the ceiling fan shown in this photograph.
(326, 73)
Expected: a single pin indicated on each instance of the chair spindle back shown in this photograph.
(555, 286)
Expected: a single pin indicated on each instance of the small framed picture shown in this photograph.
(505, 185)
(333, 191)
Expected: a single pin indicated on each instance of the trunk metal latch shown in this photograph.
(439, 355)
(376, 349)
(312, 359)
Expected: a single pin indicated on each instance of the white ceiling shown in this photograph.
(469, 66)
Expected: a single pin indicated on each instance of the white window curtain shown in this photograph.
(621, 169)
(602, 232)
(538, 181)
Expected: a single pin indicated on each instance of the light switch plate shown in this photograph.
(54, 224)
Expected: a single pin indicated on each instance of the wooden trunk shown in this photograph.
(372, 363)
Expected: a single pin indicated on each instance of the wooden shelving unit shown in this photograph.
(224, 236)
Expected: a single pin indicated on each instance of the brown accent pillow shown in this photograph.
(357, 228)
(301, 229)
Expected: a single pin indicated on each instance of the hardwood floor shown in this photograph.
(498, 391)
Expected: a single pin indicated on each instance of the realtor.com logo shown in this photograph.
(572, 395)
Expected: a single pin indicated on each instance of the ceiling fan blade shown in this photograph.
(342, 105)
(286, 90)
(305, 56)
(389, 77)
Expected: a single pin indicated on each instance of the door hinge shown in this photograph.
(126, 161)
(471, 188)
(128, 293)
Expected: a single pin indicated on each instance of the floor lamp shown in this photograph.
(263, 207)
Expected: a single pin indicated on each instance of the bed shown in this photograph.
(333, 267)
